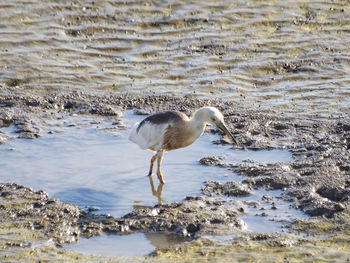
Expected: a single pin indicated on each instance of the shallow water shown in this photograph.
(289, 56)
(86, 161)
(134, 245)
(93, 166)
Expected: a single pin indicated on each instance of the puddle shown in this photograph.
(134, 245)
(272, 215)
(94, 166)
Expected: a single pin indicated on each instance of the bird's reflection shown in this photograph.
(157, 193)
(164, 240)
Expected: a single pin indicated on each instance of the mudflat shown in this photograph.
(316, 181)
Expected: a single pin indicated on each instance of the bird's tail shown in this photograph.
(133, 134)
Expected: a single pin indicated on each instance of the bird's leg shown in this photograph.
(152, 163)
(159, 162)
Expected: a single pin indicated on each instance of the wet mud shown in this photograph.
(316, 181)
(191, 218)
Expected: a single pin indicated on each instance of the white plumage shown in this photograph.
(148, 137)
(171, 130)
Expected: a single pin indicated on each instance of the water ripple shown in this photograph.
(289, 56)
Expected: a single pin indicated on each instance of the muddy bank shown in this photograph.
(32, 225)
(317, 180)
(191, 218)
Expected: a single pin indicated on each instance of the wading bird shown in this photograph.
(172, 130)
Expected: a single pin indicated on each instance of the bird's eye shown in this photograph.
(213, 119)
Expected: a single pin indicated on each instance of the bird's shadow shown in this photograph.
(157, 193)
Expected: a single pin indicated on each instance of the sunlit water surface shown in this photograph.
(290, 56)
(94, 166)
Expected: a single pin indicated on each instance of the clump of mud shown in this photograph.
(230, 189)
(191, 218)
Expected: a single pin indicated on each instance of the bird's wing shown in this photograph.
(149, 135)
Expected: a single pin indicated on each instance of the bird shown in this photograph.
(170, 130)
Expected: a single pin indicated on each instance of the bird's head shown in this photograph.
(214, 117)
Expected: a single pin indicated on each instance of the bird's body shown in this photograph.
(172, 130)
(168, 130)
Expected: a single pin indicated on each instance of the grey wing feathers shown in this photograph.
(163, 117)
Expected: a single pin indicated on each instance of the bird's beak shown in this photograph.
(223, 128)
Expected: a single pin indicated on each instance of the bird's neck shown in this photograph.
(196, 127)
